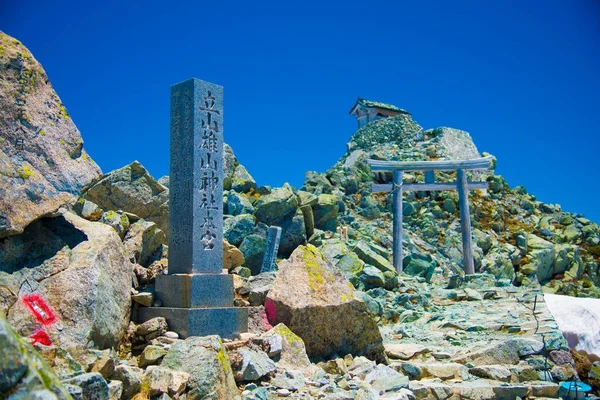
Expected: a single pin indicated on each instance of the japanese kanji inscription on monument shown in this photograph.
(196, 206)
(196, 297)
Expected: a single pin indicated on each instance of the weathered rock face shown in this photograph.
(312, 298)
(23, 370)
(206, 360)
(42, 161)
(80, 269)
(134, 190)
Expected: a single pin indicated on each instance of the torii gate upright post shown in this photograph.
(429, 167)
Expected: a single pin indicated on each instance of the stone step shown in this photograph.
(482, 389)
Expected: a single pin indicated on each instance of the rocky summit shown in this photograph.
(328, 316)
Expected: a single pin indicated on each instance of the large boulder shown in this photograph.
(79, 268)
(325, 212)
(293, 233)
(42, 161)
(452, 144)
(134, 190)
(23, 370)
(144, 242)
(313, 298)
(274, 207)
(206, 360)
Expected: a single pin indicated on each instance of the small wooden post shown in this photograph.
(429, 177)
(397, 231)
(465, 221)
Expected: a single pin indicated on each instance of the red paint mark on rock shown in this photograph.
(41, 337)
(40, 309)
(271, 311)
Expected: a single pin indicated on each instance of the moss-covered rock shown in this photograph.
(312, 298)
(22, 369)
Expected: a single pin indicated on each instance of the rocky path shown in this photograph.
(479, 342)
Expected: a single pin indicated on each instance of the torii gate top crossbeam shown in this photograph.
(443, 165)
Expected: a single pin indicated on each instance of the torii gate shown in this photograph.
(429, 168)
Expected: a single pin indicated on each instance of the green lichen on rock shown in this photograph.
(25, 172)
(23, 369)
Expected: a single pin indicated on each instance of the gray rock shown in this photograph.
(253, 249)
(274, 207)
(79, 268)
(257, 287)
(236, 228)
(159, 380)
(289, 351)
(293, 233)
(312, 297)
(93, 386)
(115, 389)
(44, 165)
(119, 222)
(238, 204)
(495, 372)
(144, 242)
(366, 254)
(164, 180)
(23, 370)
(207, 362)
(131, 378)
(325, 212)
(151, 355)
(242, 181)
(290, 380)
(254, 366)
(134, 190)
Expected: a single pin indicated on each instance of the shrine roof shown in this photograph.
(377, 104)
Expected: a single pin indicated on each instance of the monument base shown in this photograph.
(195, 290)
(226, 322)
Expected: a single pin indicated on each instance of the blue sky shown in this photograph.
(520, 76)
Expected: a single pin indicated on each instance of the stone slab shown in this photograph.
(269, 263)
(227, 322)
(195, 290)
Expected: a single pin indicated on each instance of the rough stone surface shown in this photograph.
(159, 380)
(131, 378)
(232, 256)
(93, 386)
(316, 302)
(257, 287)
(79, 268)
(134, 190)
(254, 365)
(292, 354)
(206, 360)
(22, 369)
(42, 161)
(144, 242)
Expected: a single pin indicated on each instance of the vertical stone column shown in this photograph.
(196, 297)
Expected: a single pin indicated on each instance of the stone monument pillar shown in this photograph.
(196, 296)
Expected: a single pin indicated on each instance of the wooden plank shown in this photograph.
(427, 187)
(465, 222)
(397, 223)
(443, 165)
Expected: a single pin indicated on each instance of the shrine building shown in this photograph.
(367, 111)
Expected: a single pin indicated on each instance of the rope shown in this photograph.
(535, 332)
